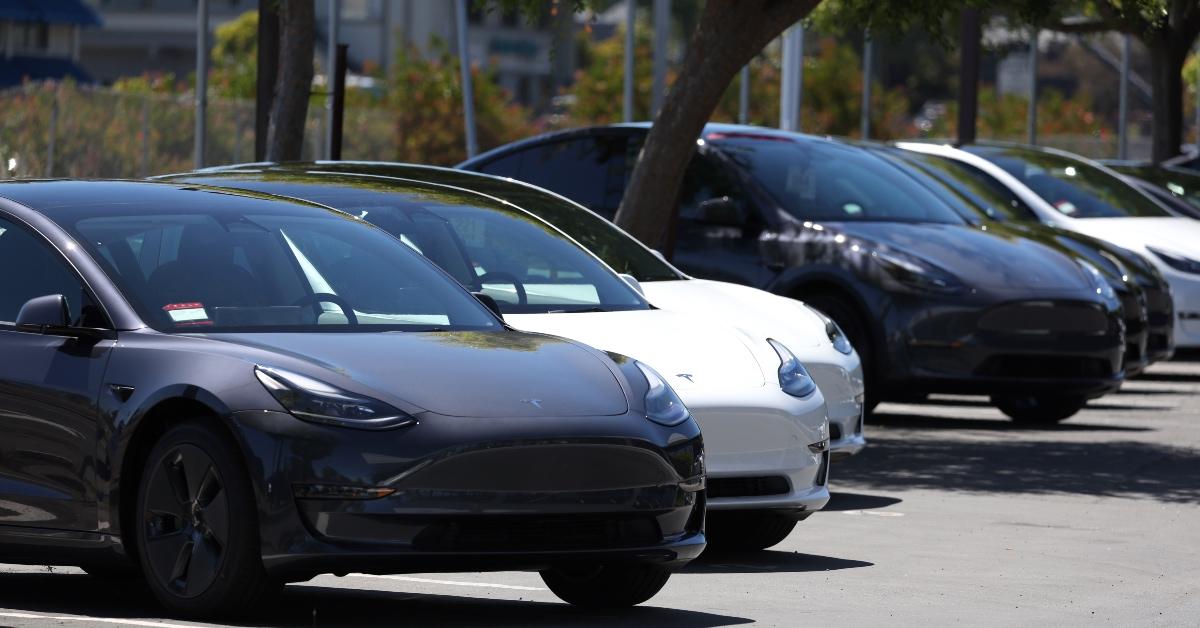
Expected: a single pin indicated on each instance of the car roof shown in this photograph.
(54, 196)
(712, 128)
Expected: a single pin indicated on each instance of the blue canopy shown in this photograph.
(49, 11)
(15, 70)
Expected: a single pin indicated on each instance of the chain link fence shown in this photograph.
(67, 130)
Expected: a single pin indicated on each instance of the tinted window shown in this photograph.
(589, 171)
(987, 194)
(518, 259)
(273, 266)
(705, 179)
(1073, 187)
(823, 181)
(42, 271)
(505, 166)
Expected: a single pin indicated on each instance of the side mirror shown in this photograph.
(633, 283)
(489, 303)
(722, 211)
(40, 313)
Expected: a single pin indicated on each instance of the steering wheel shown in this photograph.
(326, 297)
(502, 277)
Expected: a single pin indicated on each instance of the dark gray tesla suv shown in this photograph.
(227, 391)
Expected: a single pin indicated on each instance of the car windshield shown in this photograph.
(825, 181)
(1074, 188)
(983, 194)
(522, 262)
(270, 266)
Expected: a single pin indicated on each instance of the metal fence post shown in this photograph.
(744, 96)
(1031, 121)
(144, 169)
(865, 122)
(51, 138)
(1123, 102)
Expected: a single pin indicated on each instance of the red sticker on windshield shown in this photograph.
(187, 313)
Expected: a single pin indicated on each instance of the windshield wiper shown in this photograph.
(579, 311)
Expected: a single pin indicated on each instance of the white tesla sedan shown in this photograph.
(763, 417)
(1077, 194)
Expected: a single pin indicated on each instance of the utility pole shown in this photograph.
(468, 90)
(201, 81)
(330, 71)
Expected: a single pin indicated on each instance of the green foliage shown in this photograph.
(425, 100)
(235, 57)
(1004, 117)
(600, 80)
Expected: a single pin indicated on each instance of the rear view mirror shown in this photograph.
(40, 313)
(489, 303)
(722, 211)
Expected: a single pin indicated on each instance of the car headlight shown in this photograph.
(836, 336)
(917, 275)
(1178, 262)
(315, 401)
(793, 377)
(1097, 280)
(663, 406)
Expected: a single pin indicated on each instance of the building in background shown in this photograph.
(40, 39)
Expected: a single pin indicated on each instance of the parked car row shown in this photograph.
(247, 375)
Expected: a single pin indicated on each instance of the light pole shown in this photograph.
(468, 91)
(330, 69)
(201, 80)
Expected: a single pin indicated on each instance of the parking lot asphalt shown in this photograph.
(952, 514)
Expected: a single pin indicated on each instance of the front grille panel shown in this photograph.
(1044, 367)
(748, 486)
(1048, 317)
(538, 533)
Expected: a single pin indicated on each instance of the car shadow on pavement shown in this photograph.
(984, 403)
(768, 562)
(900, 419)
(309, 605)
(1030, 463)
(839, 501)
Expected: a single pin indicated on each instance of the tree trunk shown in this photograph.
(1167, 89)
(729, 34)
(297, 30)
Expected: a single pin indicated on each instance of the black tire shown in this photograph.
(746, 531)
(607, 586)
(847, 317)
(1043, 409)
(197, 528)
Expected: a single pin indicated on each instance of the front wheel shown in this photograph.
(197, 533)
(606, 586)
(746, 531)
(1041, 409)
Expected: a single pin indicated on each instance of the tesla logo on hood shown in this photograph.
(688, 376)
(537, 403)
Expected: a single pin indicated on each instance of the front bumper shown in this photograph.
(1053, 345)
(840, 379)
(1186, 292)
(474, 494)
(1160, 323)
(764, 449)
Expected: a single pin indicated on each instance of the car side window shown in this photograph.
(589, 170)
(32, 269)
(505, 166)
(705, 180)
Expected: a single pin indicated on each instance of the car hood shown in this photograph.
(714, 355)
(994, 259)
(757, 311)
(1171, 235)
(466, 374)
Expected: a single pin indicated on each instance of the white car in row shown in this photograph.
(1077, 194)
(764, 419)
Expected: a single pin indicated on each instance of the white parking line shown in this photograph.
(98, 620)
(457, 583)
